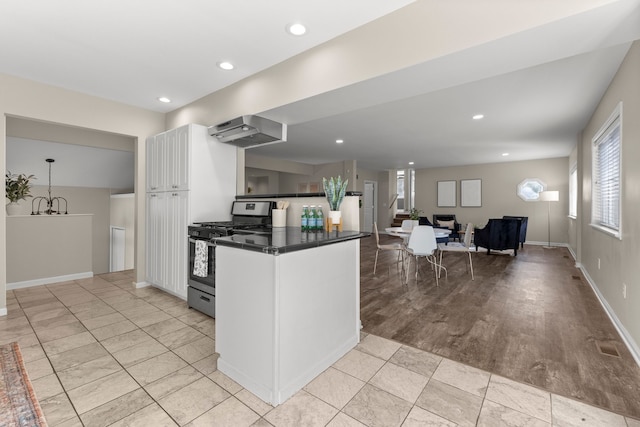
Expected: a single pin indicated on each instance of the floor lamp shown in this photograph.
(549, 196)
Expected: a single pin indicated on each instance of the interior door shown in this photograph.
(117, 249)
(369, 207)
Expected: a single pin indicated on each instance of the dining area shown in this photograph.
(415, 241)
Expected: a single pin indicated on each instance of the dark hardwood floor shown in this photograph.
(531, 318)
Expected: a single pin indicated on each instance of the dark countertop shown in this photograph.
(278, 196)
(287, 239)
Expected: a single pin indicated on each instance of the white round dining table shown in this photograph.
(405, 232)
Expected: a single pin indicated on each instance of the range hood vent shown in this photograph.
(249, 131)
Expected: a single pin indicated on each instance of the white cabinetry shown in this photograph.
(168, 160)
(294, 325)
(155, 162)
(166, 257)
(190, 177)
(177, 242)
(156, 244)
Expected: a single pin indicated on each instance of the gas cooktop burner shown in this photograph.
(231, 225)
(245, 216)
(212, 224)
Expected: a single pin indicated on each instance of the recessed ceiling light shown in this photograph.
(339, 141)
(478, 116)
(505, 154)
(164, 99)
(411, 163)
(225, 65)
(296, 29)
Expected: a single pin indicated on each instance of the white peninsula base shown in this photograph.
(281, 320)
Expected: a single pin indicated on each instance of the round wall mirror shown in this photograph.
(529, 189)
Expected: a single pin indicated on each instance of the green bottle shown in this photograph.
(313, 218)
(304, 219)
(320, 220)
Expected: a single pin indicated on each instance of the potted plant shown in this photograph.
(17, 187)
(334, 190)
(414, 217)
(414, 214)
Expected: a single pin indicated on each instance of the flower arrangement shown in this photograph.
(334, 189)
(17, 186)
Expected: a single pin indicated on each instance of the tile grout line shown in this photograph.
(122, 366)
(55, 372)
(171, 351)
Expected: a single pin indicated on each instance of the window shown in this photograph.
(412, 192)
(400, 189)
(605, 210)
(573, 192)
(529, 189)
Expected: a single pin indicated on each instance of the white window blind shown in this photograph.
(573, 192)
(606, 176)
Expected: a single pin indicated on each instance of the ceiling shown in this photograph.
(136, 51)
(537, 89)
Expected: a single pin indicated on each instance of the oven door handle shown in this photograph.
(210, 244)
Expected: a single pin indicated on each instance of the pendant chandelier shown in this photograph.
(50, 201)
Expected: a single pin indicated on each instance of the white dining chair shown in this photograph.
(463, 247)
(385, 247)
(409, 224)
(422, 243)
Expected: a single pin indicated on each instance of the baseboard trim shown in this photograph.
(553, 244)
(3, 311)
(49, 280)
(139, 285)
(628, 340)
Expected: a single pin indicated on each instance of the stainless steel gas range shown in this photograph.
(247, 217)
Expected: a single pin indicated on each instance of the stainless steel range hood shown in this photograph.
(249, 131)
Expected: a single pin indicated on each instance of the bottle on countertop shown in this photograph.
(320, 220)
(313, 216)
(304, 218)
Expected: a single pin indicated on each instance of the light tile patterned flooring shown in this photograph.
(101, 353)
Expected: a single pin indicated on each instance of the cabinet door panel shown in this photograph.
(181, 159)
(156, 238)
(177, 244)
(156, 156)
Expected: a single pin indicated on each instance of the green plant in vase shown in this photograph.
(414, 214)
(17, 187)
(335, 190)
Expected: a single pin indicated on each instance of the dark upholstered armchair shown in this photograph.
(498, 234)
(524, 220)
(444, 221)
(423, 220)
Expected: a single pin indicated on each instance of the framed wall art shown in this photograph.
(446, 194)
(470, 193)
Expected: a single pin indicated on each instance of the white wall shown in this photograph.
(66, 251)
(93, 201)
(618, 257)
(28, 99)
(261, 181)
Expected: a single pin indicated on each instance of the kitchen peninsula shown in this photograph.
(287, 306)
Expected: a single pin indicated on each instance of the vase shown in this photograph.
(13, 209)
(335, 216)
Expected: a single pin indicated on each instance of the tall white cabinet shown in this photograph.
(190, 177)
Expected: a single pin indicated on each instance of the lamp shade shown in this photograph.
(549, 196)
